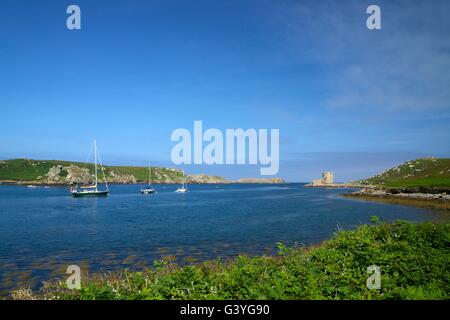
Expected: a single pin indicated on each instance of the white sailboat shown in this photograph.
(183, 187)
(149, 188)
(92, 190)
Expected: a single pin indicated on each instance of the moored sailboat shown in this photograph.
(92, 190)
(183, 187)
(149, 189)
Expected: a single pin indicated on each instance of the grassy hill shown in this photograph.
(27, 169)
(419, 173)
(38, 170)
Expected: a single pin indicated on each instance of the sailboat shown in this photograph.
(92, 190)
(149, 188)
(183, 187)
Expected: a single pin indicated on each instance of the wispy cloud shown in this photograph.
(404, 66)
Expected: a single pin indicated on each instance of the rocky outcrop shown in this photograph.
(168, 175)
(203, 178)
(260, 180)
(405, 194)
(78, 175)
(121, 178)
(71, 174)
(54, 174)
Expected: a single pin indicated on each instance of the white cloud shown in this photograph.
(406, 65)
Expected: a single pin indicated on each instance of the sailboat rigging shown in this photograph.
(149, 188)
(183, 187)
(93, 190)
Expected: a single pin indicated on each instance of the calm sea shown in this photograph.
(42, 231)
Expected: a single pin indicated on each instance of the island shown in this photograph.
(58, 172)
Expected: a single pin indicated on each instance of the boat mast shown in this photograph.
(95, 151)
(149, 175)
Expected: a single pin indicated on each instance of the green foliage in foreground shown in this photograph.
(414, 262)
(427, 172)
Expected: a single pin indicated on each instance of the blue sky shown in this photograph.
(345, 98)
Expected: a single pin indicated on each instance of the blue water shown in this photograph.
(42, 231)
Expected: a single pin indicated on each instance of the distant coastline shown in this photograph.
(239, 181)
(422, 182)
(336, 185)
(66, 173)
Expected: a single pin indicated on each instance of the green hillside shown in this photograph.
(38, 170)
(27, 169)
(141, 173)
(426, 172)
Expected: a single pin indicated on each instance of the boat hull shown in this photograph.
(147, 191)
(90, 194)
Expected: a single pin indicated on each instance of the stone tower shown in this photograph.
(327, 177)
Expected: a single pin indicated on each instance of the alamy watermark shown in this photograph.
(74, 280)
(373, 22)
(374, 279)
(236, 146)
(73, 22)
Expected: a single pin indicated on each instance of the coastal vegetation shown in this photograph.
(413, 259)
(421, 182)
(65, 172)
(423, 175)
(57, 172)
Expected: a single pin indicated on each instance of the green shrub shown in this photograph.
(413, 258)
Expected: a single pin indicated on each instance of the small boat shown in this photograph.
(183, 187)
(31, 186)
(149, 189)
(92, 190)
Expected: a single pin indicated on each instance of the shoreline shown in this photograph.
(427, 201)
(335, 186)
(218, 279)
(421, 200)
(42, 184)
